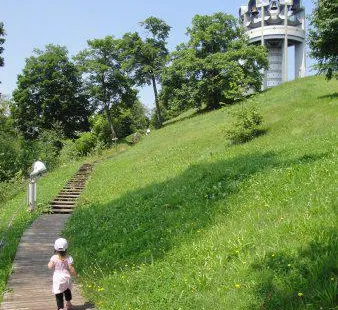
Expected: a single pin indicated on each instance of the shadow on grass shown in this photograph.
(306, 279)
(180, 118)
(145, 225)
(331, 96)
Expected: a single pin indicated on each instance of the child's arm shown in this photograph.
(51, 265)
(72, 271)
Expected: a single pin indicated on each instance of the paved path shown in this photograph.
(29, 286)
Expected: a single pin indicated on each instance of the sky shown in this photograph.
(36, 23)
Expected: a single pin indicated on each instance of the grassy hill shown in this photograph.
(182, 220)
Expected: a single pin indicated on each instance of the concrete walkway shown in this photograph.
(30, 284)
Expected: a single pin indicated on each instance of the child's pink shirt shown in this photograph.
(61, 276)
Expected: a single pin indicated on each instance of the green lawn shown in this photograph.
(182, 220)
(185, 221)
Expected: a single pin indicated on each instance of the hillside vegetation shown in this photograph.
(184, 221)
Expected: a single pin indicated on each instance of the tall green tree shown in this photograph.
(106, 81)
(50, 92)
(2, 41)
(216, 66)
(323, 37)
(146, 58)
(10, 143)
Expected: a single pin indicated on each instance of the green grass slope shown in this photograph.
(185, 221)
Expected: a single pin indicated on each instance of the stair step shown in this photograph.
(75, 186)
(62, 211)
(65, 202)
(61, 197)
(62, 207)
(61, 202)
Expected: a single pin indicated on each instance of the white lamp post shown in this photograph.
(38, 168)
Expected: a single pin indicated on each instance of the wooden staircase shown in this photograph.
(64, 202)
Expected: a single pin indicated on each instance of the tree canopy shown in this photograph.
(145, 58)
(323, 37)
(11, 159)
(107, 83)
(49, 92)
(2, 41)
(216, 66)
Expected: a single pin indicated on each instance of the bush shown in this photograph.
(10, 188)
(9, 156)
(101, 129)
(134, 138)
(68, 151)
(85, 143)
(46, 148)
(49, 145)
(246, 126)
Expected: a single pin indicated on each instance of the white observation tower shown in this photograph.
(277, 24)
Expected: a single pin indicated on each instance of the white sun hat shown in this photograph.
(61, 244)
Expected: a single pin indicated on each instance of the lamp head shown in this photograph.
(38, 168)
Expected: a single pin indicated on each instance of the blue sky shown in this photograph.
(36, 23)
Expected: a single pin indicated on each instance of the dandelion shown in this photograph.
(300, 294)
(237, 285)
(273, 255)
(100, 289)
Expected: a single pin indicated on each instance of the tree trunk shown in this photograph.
(113, 133)
(158, 111)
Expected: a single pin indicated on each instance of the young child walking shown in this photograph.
(62, 263)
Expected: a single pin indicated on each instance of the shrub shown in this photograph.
(246, 126)
(85, 143)
(68, 151)
(28, 154)
(101, 129)
(10, 188)
(9, 156)
(49, 145)
(134, 138)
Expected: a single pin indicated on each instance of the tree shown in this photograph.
(216, 65)
(107, 83)
(2, 41)
(10, 143)
(50, 92)
(130, 119)
(323, 37)
(146, 58)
